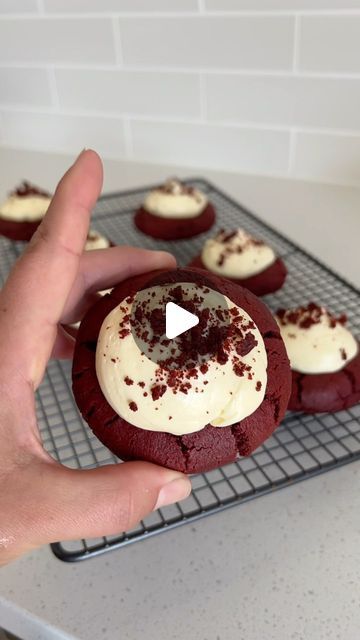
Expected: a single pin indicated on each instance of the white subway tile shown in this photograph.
(24, 87)
(120, 5)
(56, 40)
(332, 158)
(18, 6)
(141, 93)
(312, 102)
(240, 42)
(282, 5)
(63, 133)
(211, 146)
(330, 43)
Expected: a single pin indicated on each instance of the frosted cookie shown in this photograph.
(243, 259)
(324, 358)
(175, 211)
(192, 403)
(22, 211)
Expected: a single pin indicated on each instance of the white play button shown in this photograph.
(178, 320)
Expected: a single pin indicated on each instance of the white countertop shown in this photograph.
(283, 567)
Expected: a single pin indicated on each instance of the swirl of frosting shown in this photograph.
(236, 254)
(316, 341)
(96, 240)
(175, 200)
(219, 392)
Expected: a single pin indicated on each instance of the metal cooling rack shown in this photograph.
(302, 447)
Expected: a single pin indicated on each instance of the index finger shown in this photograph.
(34, 296)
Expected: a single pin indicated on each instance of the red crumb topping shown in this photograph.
(128, 381)
(26, 189)
(309, 315)
(133, 406)
(233, 244)
(343, 354)
(258, 386)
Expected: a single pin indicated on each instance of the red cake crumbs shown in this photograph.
(176, 187)
(227, 237)
(343, 354)
(26, 189)
(157, 391)
(258, 386)
(128, 381)
(113, 360)
(141, 384)
(133, 406)
(309, 315)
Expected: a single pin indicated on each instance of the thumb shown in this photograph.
(103, 501)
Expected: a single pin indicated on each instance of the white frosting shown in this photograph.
(96, 241)
(236, 257)
(173, 201)
(225, 399)
(320, 348)
(24, 209)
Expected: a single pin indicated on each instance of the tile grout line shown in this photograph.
(276, 73)
(119, 58)
(296, 50)
(78, 15)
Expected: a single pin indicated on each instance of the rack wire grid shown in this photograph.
(301, 447)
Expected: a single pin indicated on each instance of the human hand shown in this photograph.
(54, 282)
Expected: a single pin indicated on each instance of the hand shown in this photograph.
(54, 282)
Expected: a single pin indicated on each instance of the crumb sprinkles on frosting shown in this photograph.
(26, 203)
(214, 373)
(174, 199)
(316, 340)
(236, 254)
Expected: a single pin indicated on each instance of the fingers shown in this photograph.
(105, 268)
(64, 344)
(72, 504)
(35, 294)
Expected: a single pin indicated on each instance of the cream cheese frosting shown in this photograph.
(236, 254)
(25, 208)
(96, 240)
(139, 389)
(315, 340)
(175, 200)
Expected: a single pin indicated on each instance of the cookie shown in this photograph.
(243, 259)
(22, 212)
(206, 446)
(324, 357)
(175, 211)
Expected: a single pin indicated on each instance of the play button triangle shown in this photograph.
(178, 320)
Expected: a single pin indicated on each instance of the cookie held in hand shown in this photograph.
(190, 403)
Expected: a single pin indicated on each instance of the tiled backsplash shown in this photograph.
(259, 86)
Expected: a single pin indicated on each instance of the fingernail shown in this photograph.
(174, 491)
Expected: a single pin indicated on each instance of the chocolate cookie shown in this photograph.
(211, 446)
(267, 281)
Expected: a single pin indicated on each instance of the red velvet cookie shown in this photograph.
(211, 446)
(313, 337)
(243, 259)
(175, 211)
(267, 281)
(22, 230)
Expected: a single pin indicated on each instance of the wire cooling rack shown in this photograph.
(302, 447)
